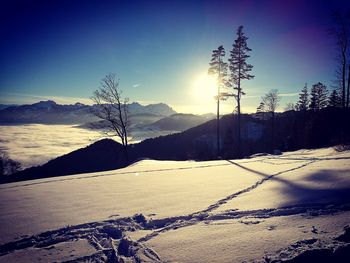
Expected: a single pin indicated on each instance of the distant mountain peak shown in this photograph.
(135, 103)
(79, 104)
(45, 104)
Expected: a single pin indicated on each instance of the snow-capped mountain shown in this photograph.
(52, 113)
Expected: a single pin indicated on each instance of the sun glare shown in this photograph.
(204, 88)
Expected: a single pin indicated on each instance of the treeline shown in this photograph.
(229, 84)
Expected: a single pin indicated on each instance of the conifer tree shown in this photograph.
(318, 98)
(239, 70)
(303, 102)
(334, 99)
(218, 68)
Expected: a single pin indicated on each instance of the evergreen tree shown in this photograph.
(239, 70)
(218, 68)
(260, 108)
(318, 98)
(303, 102)
(334, 99)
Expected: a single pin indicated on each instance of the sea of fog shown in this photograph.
(35, 144)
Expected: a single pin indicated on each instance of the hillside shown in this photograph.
(293, 207)
(293, 131)
(178, 122)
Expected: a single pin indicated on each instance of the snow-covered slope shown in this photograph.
(259, 209)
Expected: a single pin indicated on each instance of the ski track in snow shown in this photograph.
(113, 245)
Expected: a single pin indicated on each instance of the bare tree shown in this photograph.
(340, 31)
(7, 165)
(112, 108)
(218, 68)
(290, 106)
(270, 102)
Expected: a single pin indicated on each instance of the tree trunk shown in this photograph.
(273, 132)
(239, 126)
(239, 111)
(343, 79)
(126, 149)
(347, 96)
(126, 154)
(218, 127)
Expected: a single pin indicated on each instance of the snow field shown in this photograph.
(259, 209)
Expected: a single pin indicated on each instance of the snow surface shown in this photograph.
(259, 209)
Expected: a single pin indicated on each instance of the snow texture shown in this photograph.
(293, 207)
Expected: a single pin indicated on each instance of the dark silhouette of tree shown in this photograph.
(290, 106)
(7, 165)
(302, 106)
(318, 99)
(260, 111)
(340, 30)
(111, 107)
(303, 103)
(334, 99)
(218, 68)
(271, 102)
(347, 96)
(239, 70)
(260, 108)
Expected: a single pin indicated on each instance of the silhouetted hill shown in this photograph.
(178, 122)
(294, 130)
(102, 155)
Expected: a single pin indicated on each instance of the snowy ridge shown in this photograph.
(308, 230)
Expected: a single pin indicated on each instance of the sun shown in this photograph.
(204, 88)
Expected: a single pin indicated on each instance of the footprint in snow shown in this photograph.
(272, 227)
(249, 222)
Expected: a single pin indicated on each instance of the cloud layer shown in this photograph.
(35, 144)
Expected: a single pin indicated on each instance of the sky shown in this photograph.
(160, 50)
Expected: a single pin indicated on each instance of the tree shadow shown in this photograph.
(327, 186)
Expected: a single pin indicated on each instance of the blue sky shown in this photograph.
(61, 49)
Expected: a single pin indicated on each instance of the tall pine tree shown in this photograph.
(218, 68)
(334, 99)
(303, 103)
(239, 70)
(318, 98)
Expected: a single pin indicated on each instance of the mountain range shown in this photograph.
(49, 112)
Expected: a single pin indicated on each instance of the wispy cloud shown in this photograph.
(136, 85)
(292, 94)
